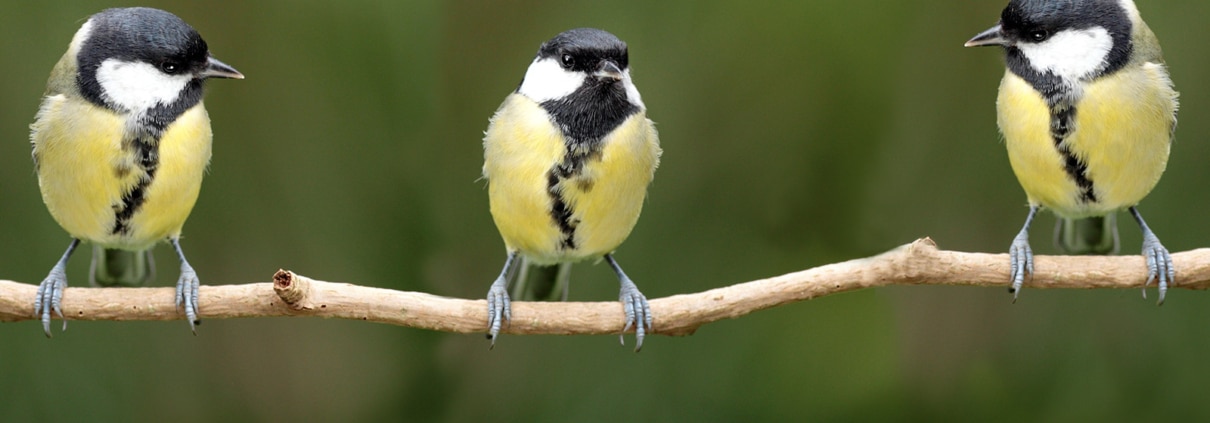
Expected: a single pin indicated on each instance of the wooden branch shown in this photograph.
(918, 263)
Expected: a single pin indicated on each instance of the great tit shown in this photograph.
(1087, 111)
(568, 158)
(120, 144)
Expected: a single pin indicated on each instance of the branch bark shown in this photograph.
(918, 263)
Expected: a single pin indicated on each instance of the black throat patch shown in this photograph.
(584, 117)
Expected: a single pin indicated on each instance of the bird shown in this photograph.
(120, 144)
(568, 158)
(1087, 110)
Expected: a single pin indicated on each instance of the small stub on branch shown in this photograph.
(292, 288)
(926, 244)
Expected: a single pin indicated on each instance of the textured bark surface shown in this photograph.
(918, 263)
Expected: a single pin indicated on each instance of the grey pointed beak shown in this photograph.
(991, 37)
(217, 69)
(608, 70)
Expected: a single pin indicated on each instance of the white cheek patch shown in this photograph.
(632, 92)
(546, 80)
(138, 86)
(1072, 54)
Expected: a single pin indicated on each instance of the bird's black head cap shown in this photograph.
(1035, 21)
(139, 34)
(1023, 19)
(583, 49)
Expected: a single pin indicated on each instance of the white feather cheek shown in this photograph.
(138, 86)
(632, 92)
(1072, 54)
(546, 80)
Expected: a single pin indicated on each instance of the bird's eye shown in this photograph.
(567, 61)
(1039, 35)
(170, 67)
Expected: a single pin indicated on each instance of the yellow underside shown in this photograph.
(84, 172)
(522, 145)
(1122, 132)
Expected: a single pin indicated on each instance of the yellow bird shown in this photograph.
(1088, 111)
(568, 158)
(120, 145)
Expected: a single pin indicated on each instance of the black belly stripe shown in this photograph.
(559, 209)
(147, 149)
(1062, 118)
(557, 177)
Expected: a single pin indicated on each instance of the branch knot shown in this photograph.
(295, 290)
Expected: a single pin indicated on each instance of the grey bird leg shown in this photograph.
(1021, 257)
(499, 307)
(1159, 262)
(50, 291)
(186, 288)
(638, 312)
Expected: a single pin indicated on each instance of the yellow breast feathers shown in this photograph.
(84, 172)
(1122, 132)
(601, 203)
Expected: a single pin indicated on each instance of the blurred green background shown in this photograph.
(795, 134)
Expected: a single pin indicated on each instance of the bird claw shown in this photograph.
(638, 314)
(187, 297)
(1159, 266)
(50, 298)
(1021, 262)
(499, 309)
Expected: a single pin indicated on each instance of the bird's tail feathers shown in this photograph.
(535, 282)
(1088, 235)
(111, 267)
